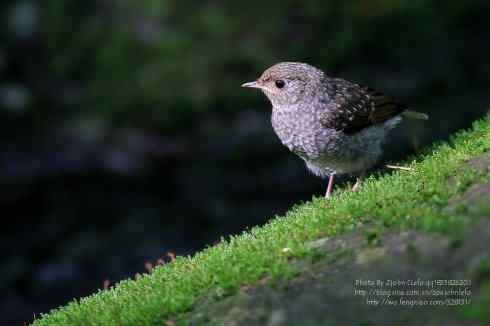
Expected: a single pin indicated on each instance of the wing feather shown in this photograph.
(351, 107)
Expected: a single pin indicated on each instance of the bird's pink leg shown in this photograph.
(330, 185)
(358, 183)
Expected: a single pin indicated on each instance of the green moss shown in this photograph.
(402, 199)
(478, 310)
(372, 236)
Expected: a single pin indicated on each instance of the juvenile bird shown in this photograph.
(335, 126)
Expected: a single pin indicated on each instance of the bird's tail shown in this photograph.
(415, 115)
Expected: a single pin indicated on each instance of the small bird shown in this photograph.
(334, 125)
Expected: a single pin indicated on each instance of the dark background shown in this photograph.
(124, 133)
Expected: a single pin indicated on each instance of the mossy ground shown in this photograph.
(325, 291)
(415, 199)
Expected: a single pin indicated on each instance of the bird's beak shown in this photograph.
(253, 84)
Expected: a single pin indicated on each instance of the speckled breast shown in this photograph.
(300, 131)
(326, 150)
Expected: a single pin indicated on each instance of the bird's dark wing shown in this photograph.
(351, 107)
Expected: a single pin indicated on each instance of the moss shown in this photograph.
(478, 310)
(401, 199)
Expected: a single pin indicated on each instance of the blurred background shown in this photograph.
(124, 133)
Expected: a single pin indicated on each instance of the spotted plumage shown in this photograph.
(335, 126)
(353, 107)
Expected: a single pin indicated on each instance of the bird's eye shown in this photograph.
(280, 83)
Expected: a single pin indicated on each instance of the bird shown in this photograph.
(337, 127)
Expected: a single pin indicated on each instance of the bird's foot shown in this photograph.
(356, 186)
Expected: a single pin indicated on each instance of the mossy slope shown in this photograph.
(413, 199)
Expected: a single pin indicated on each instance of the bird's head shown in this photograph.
(288, 83)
